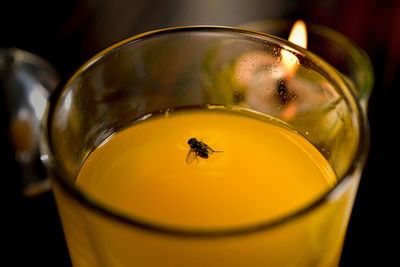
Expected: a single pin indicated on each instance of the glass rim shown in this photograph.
(50, 159)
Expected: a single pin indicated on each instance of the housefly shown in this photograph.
(198, 149)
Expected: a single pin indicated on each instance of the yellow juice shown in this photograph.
(261, 171)
(264, 170)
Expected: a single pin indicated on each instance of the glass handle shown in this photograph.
(26, 81)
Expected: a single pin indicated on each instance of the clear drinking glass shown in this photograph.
(220, 70)
(26, 81)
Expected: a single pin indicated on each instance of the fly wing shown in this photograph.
(191, 156)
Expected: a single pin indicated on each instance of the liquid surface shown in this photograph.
(264, 171)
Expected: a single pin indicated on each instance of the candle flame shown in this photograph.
(298, 35)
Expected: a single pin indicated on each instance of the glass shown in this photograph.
(26, 81)
(213, 68)
(335, 48)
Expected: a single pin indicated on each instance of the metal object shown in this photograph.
(27, 81)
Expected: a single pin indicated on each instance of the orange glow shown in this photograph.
(298, 35)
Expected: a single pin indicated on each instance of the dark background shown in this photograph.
(67, 33)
